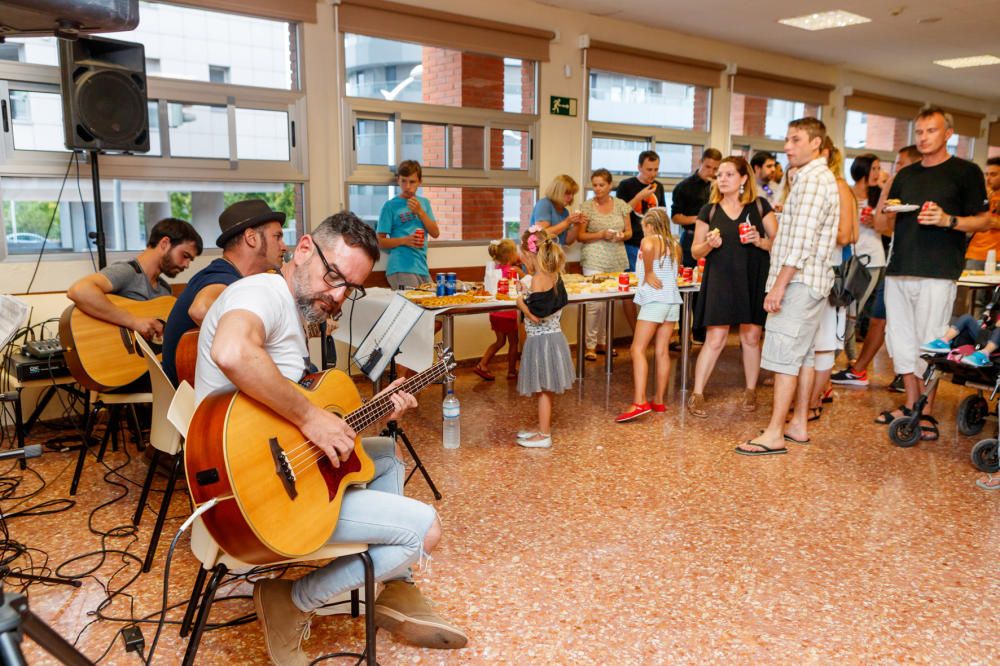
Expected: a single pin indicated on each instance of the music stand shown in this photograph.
(377, 351)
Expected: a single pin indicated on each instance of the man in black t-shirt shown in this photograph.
(928, 248)
(641, 192)
(690, 195)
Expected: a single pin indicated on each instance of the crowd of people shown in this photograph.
(769, 244)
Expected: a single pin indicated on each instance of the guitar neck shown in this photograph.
(379, 407)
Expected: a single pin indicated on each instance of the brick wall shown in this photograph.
(885, 133)
(701, 108)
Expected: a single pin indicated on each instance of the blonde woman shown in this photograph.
(736, 267)
(552, 212)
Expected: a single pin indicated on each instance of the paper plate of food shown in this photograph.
(897, 206)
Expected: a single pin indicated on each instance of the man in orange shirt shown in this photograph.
(984, 241)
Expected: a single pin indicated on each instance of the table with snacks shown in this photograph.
(417, 350)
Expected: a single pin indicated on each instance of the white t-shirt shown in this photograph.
(267, 296)
(869, 242)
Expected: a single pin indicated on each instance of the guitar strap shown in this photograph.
(134, 263)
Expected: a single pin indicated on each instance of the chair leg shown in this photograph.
(147, 484)
(370, 628)
(114, 416)
(168, 494)
(88, 430)
(355, 603)
(199, 583)
(206, 605)
(140, 444)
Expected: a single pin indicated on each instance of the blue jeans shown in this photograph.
(633, 254)
(971, 332)
(394, 526)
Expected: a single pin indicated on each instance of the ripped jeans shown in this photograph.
(394, 526)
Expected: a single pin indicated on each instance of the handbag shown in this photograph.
(850, 280)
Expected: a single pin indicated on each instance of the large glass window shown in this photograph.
(874, 132)
(766, 117)
(195, 44)
(31, 210)
(620, 156)
(634, 100)
(394, 71)
(962, 146)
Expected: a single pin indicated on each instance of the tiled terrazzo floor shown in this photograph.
(646, 543)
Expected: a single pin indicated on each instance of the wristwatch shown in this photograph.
(952, 222)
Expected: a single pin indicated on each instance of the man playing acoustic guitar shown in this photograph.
(252, 339)
(252, 242)
(171, 247)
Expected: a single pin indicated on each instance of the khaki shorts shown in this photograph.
(790, 339)
(659, 313)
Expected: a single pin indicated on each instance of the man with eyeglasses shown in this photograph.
(252, 339)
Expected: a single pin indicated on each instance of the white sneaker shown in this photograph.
(544, 443)
(523, 434)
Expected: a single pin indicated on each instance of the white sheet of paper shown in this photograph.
(13, 315)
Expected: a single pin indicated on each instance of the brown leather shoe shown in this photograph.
(284, 625)
(748, 401)
(404, 611)
(696, 405)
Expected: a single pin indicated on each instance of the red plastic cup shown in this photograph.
(503, 286)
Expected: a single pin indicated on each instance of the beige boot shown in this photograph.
(285, 626)
(403, 610)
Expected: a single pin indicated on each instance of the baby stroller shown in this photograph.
(974, 409)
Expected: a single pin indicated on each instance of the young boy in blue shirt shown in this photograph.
(403, 226)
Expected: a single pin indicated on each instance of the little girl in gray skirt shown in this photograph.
(546, 366)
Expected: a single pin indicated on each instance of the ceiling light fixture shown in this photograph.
(971, 61)
(837, 18)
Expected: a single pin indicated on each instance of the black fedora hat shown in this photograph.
(243, 215)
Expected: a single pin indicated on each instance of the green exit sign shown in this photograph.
(562, 106)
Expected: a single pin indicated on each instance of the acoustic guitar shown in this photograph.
(279, 495)
(102, 355)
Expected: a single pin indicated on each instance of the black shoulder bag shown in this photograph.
(850, 280)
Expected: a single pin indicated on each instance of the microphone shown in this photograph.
(30, 451)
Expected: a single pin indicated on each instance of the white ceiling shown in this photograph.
(897, 47)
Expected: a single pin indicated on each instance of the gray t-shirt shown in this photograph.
(128, 280)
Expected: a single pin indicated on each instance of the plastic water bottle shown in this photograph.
(452, 428)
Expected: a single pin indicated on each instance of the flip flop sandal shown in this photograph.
(887, 417)
(987, 484)
(789, 438)
(485, 374)
(929, 433)
(815, 413)
(827, 396)
(590, 356)
(766, 451)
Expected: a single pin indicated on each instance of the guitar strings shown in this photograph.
(375, 410)
(304, 455)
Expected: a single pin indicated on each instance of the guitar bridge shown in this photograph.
(283, 468)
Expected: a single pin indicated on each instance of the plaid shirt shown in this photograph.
(807, 233)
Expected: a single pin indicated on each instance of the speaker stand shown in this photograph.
(98, 233)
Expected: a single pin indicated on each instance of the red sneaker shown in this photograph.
(656, 407)
(634, 413)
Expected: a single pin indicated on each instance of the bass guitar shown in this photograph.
(102, 355)
(279, 495)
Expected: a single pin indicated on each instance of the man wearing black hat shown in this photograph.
(252, 242)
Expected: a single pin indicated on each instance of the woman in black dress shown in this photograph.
(732, 287)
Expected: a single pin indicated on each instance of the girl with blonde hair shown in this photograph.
(503, 322)
(659, 304)
(546, 366)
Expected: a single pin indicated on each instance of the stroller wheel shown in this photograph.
(972, 413)
(904, 431)
(985, 456)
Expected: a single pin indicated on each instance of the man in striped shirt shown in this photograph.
(797, 285)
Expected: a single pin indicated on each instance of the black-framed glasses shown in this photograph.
(335, 279)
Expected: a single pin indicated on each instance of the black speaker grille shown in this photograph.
(111, 106)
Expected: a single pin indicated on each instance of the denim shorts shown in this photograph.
(659, 313)
(878, 305)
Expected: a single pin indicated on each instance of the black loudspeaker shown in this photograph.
(104, 94)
